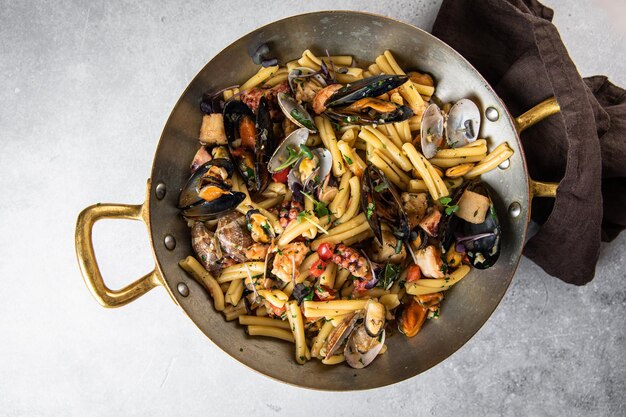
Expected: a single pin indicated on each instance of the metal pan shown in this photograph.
(467, 306)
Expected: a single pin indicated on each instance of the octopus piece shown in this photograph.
(287, 261)
(415, 206)
(289, 212)
(429, 261)
(348, 258)
(201, 157)
(322, 96)
(430, 223)
(253, 96)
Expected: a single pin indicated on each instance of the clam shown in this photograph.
(296, 112)
(281, 155)
(207, 248)
(305, 83)
(340, 333)
(431, 131)
(233, 236)
(362, 348)
(463, 123)
(374, 321)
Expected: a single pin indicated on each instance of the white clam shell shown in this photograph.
(463, 123)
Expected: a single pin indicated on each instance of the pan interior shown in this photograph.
(467, 306)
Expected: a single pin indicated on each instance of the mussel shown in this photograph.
(474, 228)
(356, 103)
(381, 204)
(250, 141)
(260, 228)
(208, 192)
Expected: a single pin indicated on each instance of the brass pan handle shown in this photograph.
(533, 116)
(87, 258)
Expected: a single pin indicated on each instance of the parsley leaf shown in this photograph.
(370, 210)
(347, 158)
(380, 187)
(294, 156)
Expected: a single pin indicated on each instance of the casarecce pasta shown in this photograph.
(330, 200)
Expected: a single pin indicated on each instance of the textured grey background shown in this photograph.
(85, 88)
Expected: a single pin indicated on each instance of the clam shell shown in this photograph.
(463, 123)
(431, 131)
(295, 112)
(295, 139)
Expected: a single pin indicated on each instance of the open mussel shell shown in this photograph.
(189, 193)
(304, 74)
(250, 153)
(362, 349)
(463, 123)
(371, 116)
(295, 112)
(264, 146)
(367, 87)
(294, 140)
(209, 210)
(259, 227)
(481, 242)
(431, 131)
(381, 203)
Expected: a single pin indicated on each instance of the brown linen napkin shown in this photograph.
(519, 51)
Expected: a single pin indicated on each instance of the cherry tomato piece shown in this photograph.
(281, 176)
(318, 268)
(326, 251)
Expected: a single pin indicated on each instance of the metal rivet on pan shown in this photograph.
(170, 242)
(183, 289)
(160, 191)
(505, 164)
(515, 209)
(492, 114)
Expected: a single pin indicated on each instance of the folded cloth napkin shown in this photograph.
(514, 45)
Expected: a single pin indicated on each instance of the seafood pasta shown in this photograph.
(330, 204)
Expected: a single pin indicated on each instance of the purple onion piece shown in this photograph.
(260, 53)
(332, 65)
(461, 240)
(269, 62)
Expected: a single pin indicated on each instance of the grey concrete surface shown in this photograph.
(85, 88)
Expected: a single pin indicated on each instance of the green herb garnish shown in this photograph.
(295, 156)
(319, 208)
(303, 120)
(390, 274)
(449, 209)
(347, 158)
(370, 210)
(380, 187)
